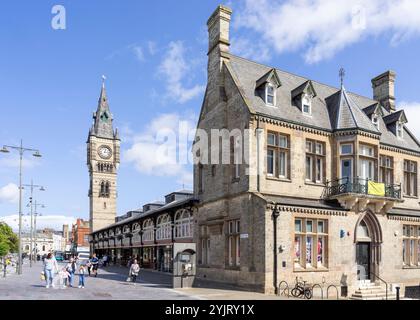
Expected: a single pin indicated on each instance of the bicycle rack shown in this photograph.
(281, 293)
(328, 289)
(319, 286)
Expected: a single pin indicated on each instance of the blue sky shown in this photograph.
(154, 56)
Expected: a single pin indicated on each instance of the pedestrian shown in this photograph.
(105, 260)
(64, 276)
(134, 271)
(89, 267)
(95, 262)
(50, 267)
(82, 272)
(71, 269)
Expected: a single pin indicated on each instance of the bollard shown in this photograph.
(398, 292)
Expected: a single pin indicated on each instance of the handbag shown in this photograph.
(43, 275)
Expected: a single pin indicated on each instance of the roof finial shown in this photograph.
(342, 74)
(103, 81)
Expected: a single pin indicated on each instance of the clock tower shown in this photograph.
(103, 158)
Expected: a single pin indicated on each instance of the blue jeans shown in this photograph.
(81, 280)
(48, 276)
(71, 276)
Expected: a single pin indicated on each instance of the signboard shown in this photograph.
(244, 236)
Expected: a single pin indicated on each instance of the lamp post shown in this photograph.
(275, 215)
(36, 205)
(41, 188)
(21, 151)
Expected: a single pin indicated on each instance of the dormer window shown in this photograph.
(307, 105)
(375, 120)
(270, 95)
(266, 87)
(400, 129)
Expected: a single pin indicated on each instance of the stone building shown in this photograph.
(103, 158)
(43, 243)
(153, 235)
(329, 192)
(80, 234)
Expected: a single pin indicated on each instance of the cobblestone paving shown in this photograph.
(109, 285)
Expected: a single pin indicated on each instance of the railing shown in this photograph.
(375, 276)
(359, 186)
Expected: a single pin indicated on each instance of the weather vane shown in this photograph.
(342, 74)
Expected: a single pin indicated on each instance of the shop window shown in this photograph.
(310, 243)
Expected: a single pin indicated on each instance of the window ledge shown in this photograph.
(315, 184)
(410, 197)
(238, 268)
(278, 179)
(411, 267)
(320, 269)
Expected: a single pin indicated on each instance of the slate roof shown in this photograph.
(102, 126)
(247, 73)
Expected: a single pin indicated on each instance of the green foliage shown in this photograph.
(9, 242)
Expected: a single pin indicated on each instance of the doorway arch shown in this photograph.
(368, 242)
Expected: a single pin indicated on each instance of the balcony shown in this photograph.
(358, 194)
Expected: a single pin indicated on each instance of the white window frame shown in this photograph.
(375, 120)
(400, 129)
(307, 101)
(269, 85)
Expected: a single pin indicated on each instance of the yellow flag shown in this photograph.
(376, 189)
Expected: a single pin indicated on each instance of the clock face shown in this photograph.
(105, 152)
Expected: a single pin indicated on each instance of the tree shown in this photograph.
(9, 242)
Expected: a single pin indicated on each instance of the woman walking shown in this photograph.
(134, 271)
(50, 268)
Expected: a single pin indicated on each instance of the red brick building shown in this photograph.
(80, 233)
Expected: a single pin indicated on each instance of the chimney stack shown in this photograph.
(384, 90)
(218, 26)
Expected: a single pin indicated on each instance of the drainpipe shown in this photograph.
(275, 215)
(259, 132)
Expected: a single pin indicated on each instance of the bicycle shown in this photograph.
(301, 290)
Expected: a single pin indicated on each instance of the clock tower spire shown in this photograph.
(103, 158)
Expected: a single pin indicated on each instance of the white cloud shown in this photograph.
(246, 48)
(12, 161)
(9, 193)
(174, 71)
(138, 52)
(48, 221)
(412, 111)
(156, 151)
(321, 28)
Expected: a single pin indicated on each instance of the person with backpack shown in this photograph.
(134, 271)
(71, 269)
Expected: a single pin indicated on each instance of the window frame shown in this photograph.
(410, 169)
(411, 246)
(233, 243)
(312, 152)
(273, 95)
(281, 153)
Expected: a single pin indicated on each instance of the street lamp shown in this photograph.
(36, 205)
(41, 188)
(21, 151)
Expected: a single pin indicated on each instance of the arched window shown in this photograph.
(43, 248)
(107, 189)
(148, 230)
(136, 227)
(164, 229)
(126, 229)
(184, 224)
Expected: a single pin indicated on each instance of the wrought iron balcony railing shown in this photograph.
(362, 187)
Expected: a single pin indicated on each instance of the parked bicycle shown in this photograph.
(301, 290)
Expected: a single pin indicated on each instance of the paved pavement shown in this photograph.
(111, 285)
